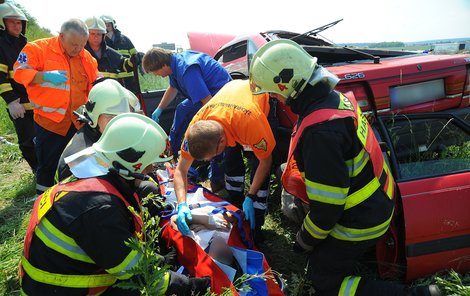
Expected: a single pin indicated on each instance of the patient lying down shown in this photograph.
(203, 218)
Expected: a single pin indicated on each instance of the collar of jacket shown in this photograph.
(310, 96)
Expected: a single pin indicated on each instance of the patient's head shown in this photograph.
(219, 250)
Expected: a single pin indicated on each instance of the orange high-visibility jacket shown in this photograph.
(49, 100)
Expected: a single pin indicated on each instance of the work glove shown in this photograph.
(182, 285)
(299, 246)
(170, 258)
(183, 214)
(156, 114)
(16, 109)
(249, 211)
(199, 286)
(136, 58)
(56, 77)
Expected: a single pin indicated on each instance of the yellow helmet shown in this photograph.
(131, 142)
(95, 23)
(10, 11)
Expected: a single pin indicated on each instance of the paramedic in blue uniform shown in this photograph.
(198, 77)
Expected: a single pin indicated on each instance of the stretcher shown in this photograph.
(193, 250)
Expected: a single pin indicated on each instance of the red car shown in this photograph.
(419, 107)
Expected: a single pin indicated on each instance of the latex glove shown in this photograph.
(156, 114)
(249, 211)
(56, 77)
(16, 109)
(217, 221)
(183, 214)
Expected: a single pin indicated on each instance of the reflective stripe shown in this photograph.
(233, 188)
(235, 178)
(4, 87)
(163, 284)
(23, 67)
(67, 280)
(353, 234)
(27, 106)
(349, 286)
(11, 73)
(124, 52)
(41, 187)
(260, 205)
(356, 164)
(108, 74)
(125, 74)
(389, 182)
(48, 109)
(62, 86)
(123, 270)
(325, 193)
(59, 242)
(4, 68)
(262, 193)
(362, 194)
(313, 229)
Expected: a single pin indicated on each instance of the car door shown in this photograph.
(430, 157)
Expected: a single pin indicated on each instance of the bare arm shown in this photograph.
(38, 78)
(181, 179)
(261, 173)
(168, 97)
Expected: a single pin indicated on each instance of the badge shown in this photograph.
(261, 145)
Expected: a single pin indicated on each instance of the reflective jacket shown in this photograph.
(121, 44)
(335, 164)
(49, 100)
(74, 242)
(10, 90)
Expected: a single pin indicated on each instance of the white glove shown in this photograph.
(16, 109)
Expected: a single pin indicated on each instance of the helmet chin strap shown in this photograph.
(297, 89)
(121, 170)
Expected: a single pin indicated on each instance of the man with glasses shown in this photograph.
(232, 121)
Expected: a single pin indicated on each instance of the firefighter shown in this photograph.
(196, 76)
(58, 74)
(233, 119)
(75, 241)
(335, 164)
(123, 45)
(12, 40)
(110, 62)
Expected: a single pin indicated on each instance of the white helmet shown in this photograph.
(284, 67)
(109, 19)
(95, 23)
(131, 142)
(107, 97)
(10, 11)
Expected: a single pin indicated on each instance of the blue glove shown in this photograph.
(183, 214)
(249, 211)
(156, 114)
(56, 77)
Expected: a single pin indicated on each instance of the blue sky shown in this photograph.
(148, 22)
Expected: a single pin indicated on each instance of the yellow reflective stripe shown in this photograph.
(59, 242)
(27, 106)
(362, 194)
(163, 284)
(108, 74)
(314, 230)
(67, 280)
(122, 271)
(349, 286)
(353, 234)
(389, 189)
(4, 68)
(125, 74)
(11, 73)
(325, 193)
(4, 87)
(125, 52)
(356, 164)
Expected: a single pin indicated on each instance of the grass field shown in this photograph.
(17, 190)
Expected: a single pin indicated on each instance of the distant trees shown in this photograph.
(387, 44)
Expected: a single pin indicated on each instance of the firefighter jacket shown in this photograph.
(211, 75)
(112, 64)
(121, 44)
(346, 181)
(51, 101)
(10, 90)
(84, 138)
(75, 241)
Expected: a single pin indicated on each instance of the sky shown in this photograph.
(149, 22)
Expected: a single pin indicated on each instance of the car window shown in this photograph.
(233, 52)
(428, 147)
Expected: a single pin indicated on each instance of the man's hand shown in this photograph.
(136, 58)
(183, 214)
(249, 211)
(156, 114)
(56, 77)
(16, 109)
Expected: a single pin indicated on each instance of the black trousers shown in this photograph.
(25, 131)
(333, 260)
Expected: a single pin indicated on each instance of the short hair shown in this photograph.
(75, 25)
(155, 58)
(203, 138)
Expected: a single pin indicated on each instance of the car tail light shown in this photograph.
(359, 93)
(466, 91)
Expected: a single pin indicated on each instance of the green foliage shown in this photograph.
(150, 82)
(387, 44)
(454, 284)
(33, 30)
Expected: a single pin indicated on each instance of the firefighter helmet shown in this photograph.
(107, 97)
(109, 19)
(10, 11)
(131, 142)
(95, 23)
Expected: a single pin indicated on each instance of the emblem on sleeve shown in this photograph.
(261, 145)
(22, 58)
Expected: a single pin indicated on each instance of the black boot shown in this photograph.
(431, 290)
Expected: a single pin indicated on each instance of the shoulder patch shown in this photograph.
(185, 145)
(22, 58)
(261, 145)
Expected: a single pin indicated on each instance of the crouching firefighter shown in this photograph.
(336, 166)
(75, 241)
